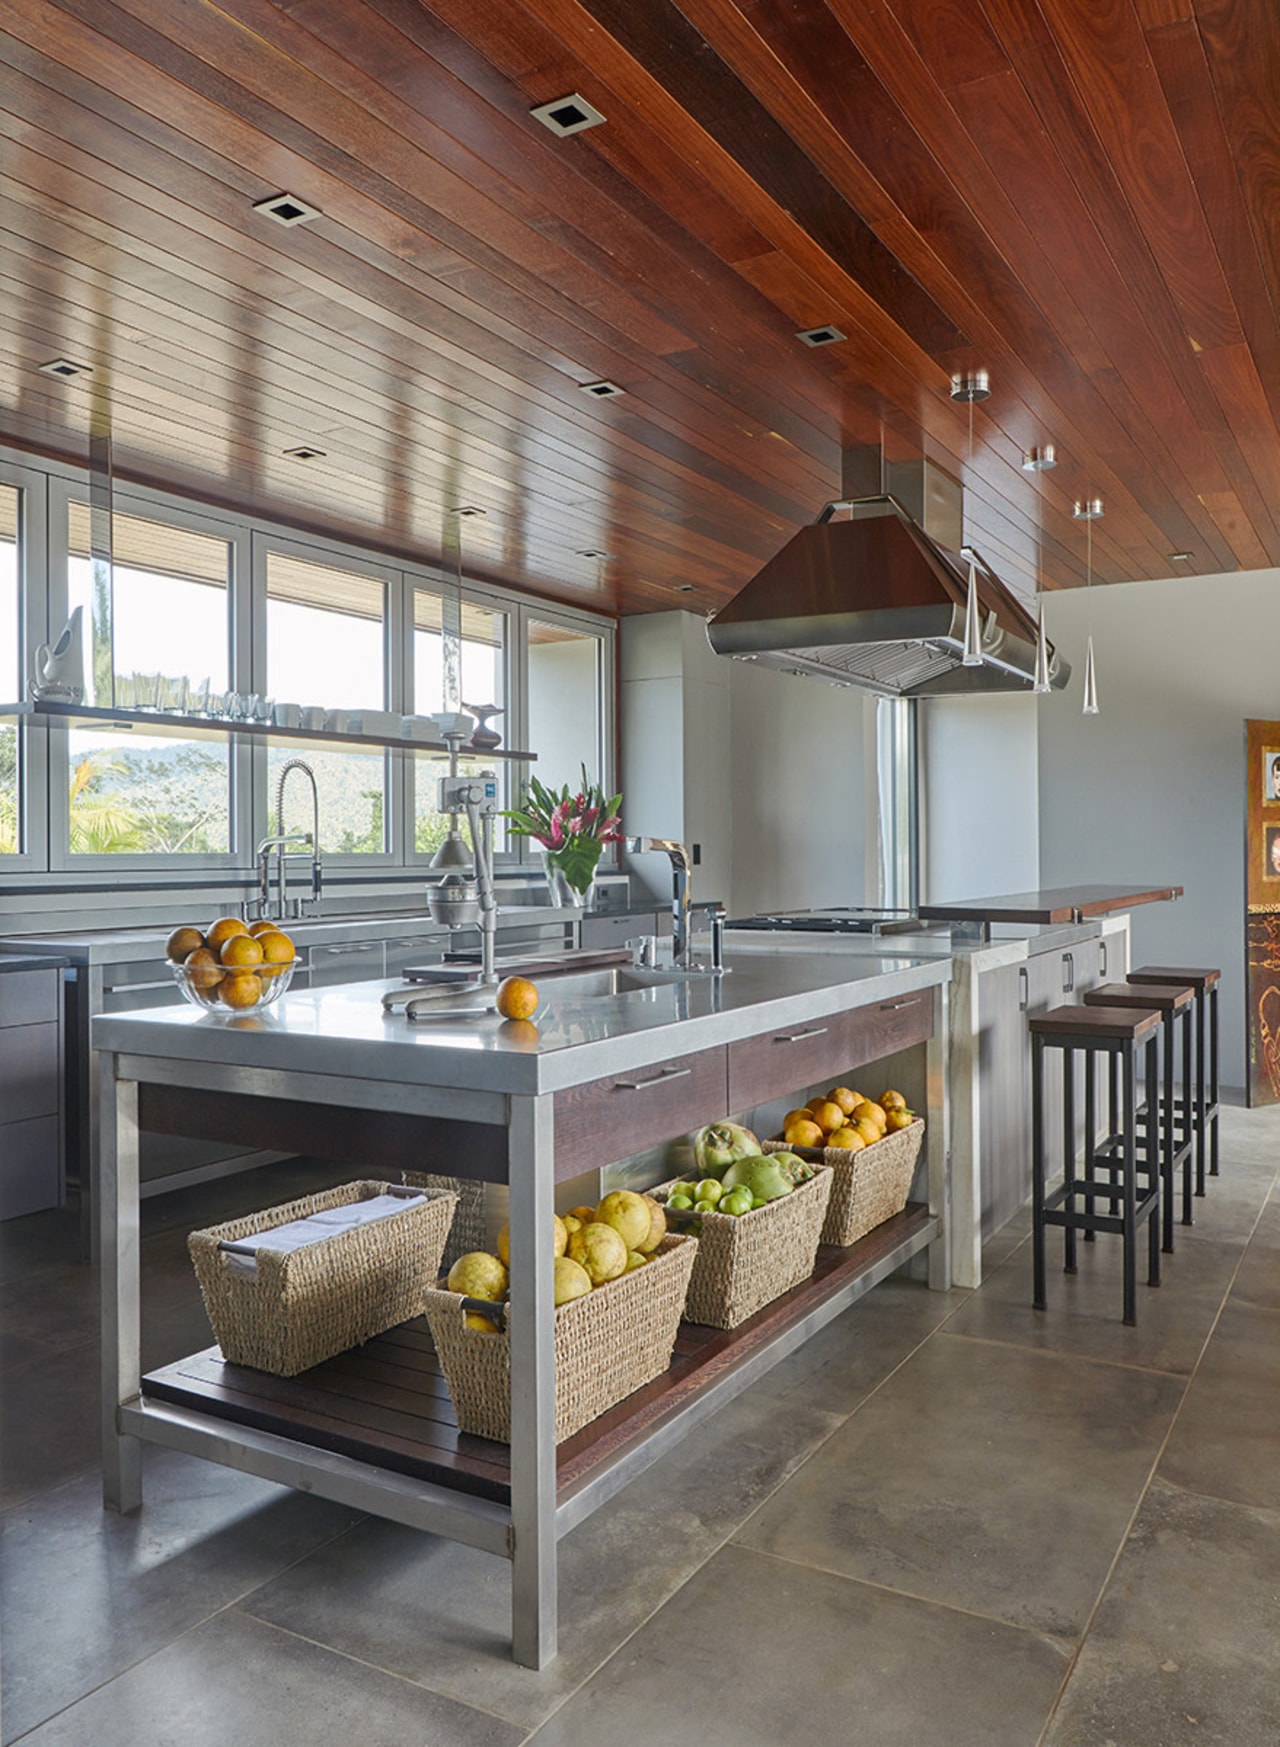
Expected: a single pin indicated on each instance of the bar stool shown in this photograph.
(1122, 1032)
(1205, 983)
(1173, 1001)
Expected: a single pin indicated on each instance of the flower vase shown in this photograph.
(564, 896)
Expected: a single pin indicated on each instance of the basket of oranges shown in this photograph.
(872, 1146)
(232, 966)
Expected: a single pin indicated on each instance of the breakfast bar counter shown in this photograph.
(614, 1060)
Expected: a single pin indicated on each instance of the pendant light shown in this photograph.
(1040, 684)
(1088, 512)
(969, 389)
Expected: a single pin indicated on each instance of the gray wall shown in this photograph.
(1152, 788)
(978, 797)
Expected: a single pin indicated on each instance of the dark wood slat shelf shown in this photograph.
(182, 726)
(387, 1403)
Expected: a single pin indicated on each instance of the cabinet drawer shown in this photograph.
(29, 1077)
(29, 997)
(609, 1119)
(783, 1061)
(30, 1169)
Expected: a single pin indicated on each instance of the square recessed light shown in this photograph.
(1180, 557)
(566, 115)
(601, 390)
(65, 368)
(304, 452)
(467, 509)
(287, 209)
(592, 552)
(823, 336)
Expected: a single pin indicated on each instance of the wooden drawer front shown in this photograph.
(30, 1174)
(795, 1056)
(29, 1082)
(29, 997)
(610, 1119)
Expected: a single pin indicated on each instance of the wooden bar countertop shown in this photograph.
(1060, 904)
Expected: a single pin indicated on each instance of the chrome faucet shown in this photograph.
(277, 845)
(681, 863)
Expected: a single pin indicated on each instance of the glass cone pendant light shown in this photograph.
(1088, 513)
(1090, 705)
(971, 388)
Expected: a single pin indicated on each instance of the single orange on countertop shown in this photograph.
(202, 968)
(223, 929)
(517, 998)
(242, 952)
(182, 943)
(240, 988)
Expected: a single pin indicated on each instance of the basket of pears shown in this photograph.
(758, 1217)
(872, 1146)
(620, 1279)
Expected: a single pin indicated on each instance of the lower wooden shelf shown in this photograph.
(386, 1403)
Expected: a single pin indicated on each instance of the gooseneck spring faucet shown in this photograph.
(277, 846)
(681, 863)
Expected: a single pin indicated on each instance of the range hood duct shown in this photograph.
(876, 602)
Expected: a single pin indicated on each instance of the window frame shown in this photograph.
(34, 627)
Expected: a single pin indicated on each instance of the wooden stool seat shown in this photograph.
(1091, 1204)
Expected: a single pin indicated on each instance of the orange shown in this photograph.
(277, 948)
(848, 1139)
(870, 1131)
(872, 1112)
(892, 1101)
(182, 943)
(842, 1096)
(203, 969)
(803, 1134)
(517, 998)
(240, 989)
(802, 1115)
(828, 1116)
(241, 951)
(900, 1119)
(263, 926)
(222, 930)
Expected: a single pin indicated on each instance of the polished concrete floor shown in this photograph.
(947, 1520)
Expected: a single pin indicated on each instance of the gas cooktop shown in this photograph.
(837, 920)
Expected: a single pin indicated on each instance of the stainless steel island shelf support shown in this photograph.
(527, 1530)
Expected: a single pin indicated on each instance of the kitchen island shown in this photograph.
(614, 1061)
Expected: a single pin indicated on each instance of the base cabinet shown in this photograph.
(30, 1091)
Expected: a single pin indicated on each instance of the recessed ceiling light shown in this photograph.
(823, 336)
(1180, 557)
(287, 209)
(304, 452)
(566, 115)
(1040, 459)
(592, 552)
(65, 368)
(601, 390)
(467, 509)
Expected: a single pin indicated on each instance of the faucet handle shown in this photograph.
(645, 949)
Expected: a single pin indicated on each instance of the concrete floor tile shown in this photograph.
(839, 1367)
(235, 1680)
(1258, 1280)
(1014, 1512)
(753, 1652)
(1226, 1437)
(49, 1427)
(86, 1593)
(1183, 1648)
(1084, 1314)
(440, 1614)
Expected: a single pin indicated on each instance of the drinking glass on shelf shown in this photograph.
(198, 699)
(122, 690)
(144, 691)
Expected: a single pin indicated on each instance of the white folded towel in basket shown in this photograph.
(242, 1253)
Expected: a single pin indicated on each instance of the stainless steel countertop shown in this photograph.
(343, 1031)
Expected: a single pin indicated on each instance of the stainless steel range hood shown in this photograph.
(876, 602)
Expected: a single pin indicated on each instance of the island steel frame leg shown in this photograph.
(119, 1223)
(938, 1142)
(530, 1161)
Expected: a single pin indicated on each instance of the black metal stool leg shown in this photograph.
(1129, 1164)
(1069, 1153)
(1188, 1118)
(1155, 1159)
(1213, 1079)
(1202, 1002)
(1037, 1171)
(1090, 1135)
(1168, 1132)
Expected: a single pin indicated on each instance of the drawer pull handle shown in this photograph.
(799, 1036)
(897, 1006)
(659, 1079)
(1024, 988)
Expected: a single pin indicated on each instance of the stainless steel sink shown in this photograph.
(614, 980)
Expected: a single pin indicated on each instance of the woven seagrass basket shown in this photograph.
(469, 1230)
(745, 1262)
(609, 1343)
(867, 1187)
(303, 1306)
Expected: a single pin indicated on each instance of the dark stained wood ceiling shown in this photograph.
(1081, 197)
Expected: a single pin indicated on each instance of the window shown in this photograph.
(158, 616)
(482, 680)
(566, 715)
(325, 636)
(11, 686)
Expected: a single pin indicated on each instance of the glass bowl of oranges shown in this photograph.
(232, 966)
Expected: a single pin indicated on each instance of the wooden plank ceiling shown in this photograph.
(1077, 196)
